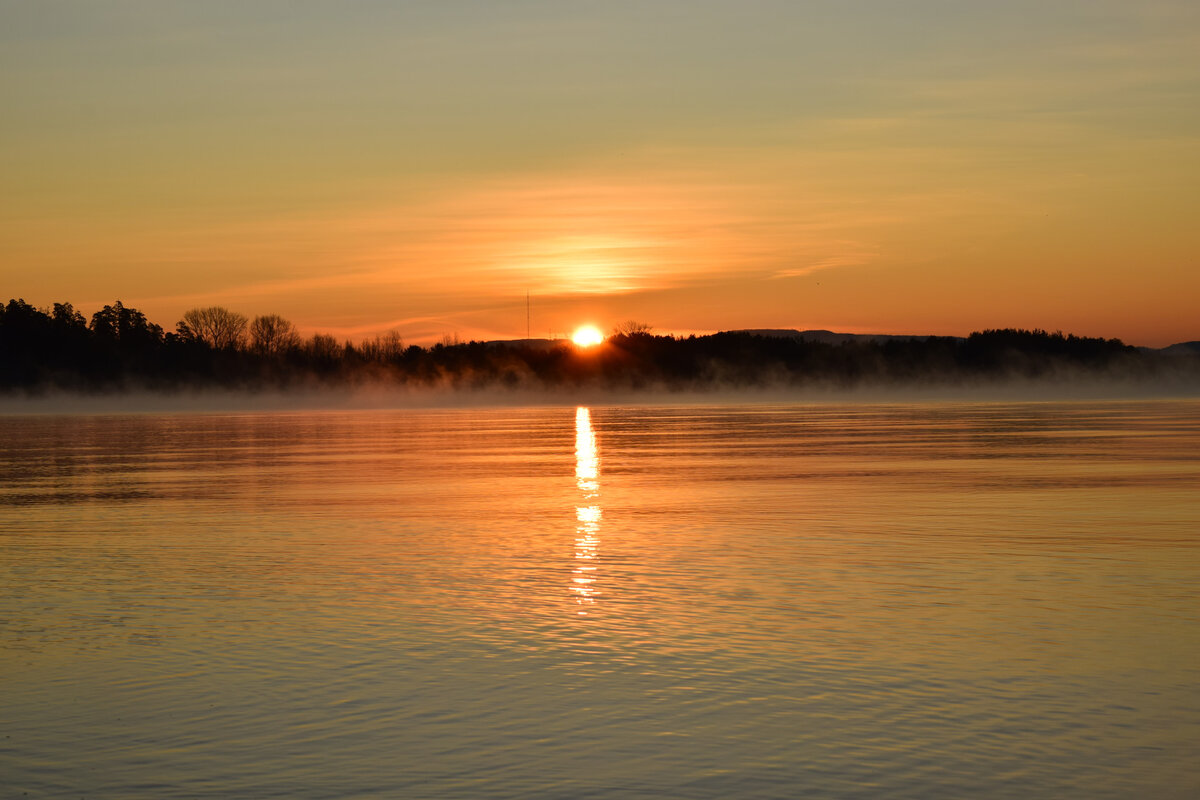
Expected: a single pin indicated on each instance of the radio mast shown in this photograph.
(526, 313)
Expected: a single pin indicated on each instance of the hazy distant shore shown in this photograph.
(215, 359)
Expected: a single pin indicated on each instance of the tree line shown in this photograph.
(119, 348)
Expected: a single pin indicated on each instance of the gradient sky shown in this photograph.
(907, 167)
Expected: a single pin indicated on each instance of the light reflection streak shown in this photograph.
(587, 511)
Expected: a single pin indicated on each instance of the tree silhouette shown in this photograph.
(323, 352)
(219, 327)
(127, 327)
(386, 348)
(66, 318)
(272, 335)
(631, 328)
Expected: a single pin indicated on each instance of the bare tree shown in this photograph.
(387, 347)
(324, 347)
(219, 327)
(632, 328)
(271, 334)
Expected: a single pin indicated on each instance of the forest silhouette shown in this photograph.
(56, 348)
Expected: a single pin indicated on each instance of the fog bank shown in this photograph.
(391, 396)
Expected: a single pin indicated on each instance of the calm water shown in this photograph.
(750, 601)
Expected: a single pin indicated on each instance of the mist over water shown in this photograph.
(913, 599)
(383, 395)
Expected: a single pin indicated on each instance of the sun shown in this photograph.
(587, 336)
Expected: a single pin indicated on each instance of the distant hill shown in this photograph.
(830, 337)
(1182, 349)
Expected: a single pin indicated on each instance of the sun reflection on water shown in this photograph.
(587, 511)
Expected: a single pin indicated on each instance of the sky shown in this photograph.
(921, 167)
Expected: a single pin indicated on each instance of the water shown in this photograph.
(750, 601)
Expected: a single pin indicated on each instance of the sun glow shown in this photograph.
(587, 336)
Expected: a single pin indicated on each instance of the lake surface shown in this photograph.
(922, 600)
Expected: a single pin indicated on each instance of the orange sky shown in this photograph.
(907, 168)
